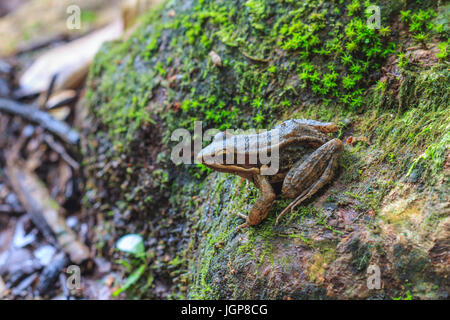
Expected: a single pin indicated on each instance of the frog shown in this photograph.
(307, 157)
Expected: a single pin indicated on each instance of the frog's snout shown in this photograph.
(205, 155)
(200, 156)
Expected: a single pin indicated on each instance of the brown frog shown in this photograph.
(307, 160)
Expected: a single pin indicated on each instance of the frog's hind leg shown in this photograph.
(263, 204)
(243, 216)
(325, 178)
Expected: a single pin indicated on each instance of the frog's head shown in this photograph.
(213, 154)
(220, 155)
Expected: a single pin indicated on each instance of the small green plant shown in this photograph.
(353, 8)
(135, 262)
(381, 85)
(402, 60)
(420, 24)
(407, 296)
(443, 50)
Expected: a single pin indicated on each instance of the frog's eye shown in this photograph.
(220, 156)
(220, 153)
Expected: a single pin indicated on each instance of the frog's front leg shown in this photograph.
(307, 177)
(263, 204)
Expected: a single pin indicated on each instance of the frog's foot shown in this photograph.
(263, 204)
(242, 226)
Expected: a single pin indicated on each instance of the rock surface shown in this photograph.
(388, 208)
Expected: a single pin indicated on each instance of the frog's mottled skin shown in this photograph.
(307, 158)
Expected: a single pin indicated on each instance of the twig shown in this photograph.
(7, 209)
(59, 149)
(36, 199)
(42, 43)
(51, 272)
(49, 90)
(45, 120)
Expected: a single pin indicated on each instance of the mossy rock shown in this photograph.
(387, 89)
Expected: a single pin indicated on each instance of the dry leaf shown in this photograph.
(70, 62)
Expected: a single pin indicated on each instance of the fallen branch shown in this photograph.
(59, 149)
(36, 200)
(51, 272)
(42, 43)
(7, 209)
(45, 120)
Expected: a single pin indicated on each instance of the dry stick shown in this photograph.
(45, 120)
(36, 200)
(59, 148)
(42, 43)
(49, 90)
(7, 209)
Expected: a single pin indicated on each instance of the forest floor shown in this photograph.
(44, 233)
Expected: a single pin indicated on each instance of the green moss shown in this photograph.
(361, 255)
(333, 64)
(320, 262)
(218, 233)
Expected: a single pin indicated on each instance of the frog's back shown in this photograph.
(299, 129)
(323, 127)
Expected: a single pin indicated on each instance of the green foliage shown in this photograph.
(421, 24)
(353, 8)
(132, 279)
(443, 47)
(354, 53)
(434, 156)
(407, 296)
(331, 54)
